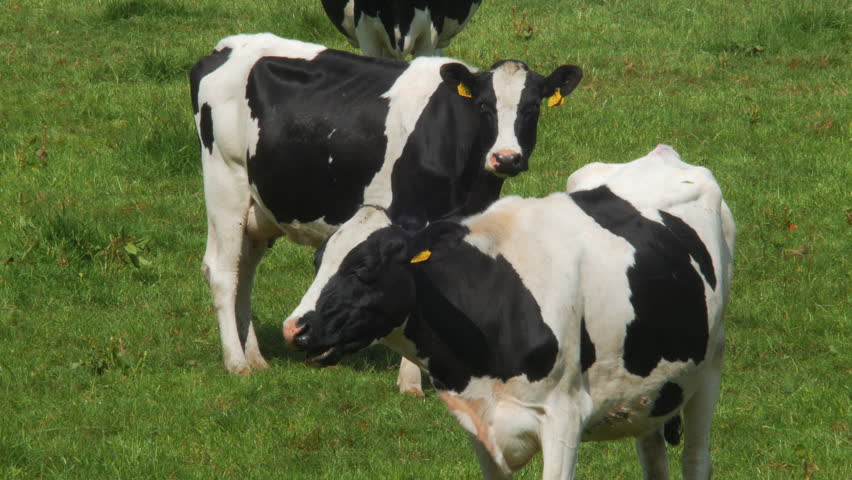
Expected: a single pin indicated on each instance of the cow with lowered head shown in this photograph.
(398, 28)
(589, 315)
(295, 137)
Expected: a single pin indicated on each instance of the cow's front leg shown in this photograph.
(560, 440)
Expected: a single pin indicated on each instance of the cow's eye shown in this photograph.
(365, 273)
(486, 108)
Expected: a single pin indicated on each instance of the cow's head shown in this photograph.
(361, 291)
(509, 96)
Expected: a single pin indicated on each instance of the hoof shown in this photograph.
(238, 368)
(258, 363)
(414, 391)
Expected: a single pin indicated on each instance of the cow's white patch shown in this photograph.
(354, 231)
(508, 82)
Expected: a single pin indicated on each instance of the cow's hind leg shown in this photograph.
(253, 251)
(228, 199)
(697, 418)
(652, 454)
(409, 380)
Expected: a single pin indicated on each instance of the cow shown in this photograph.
(586, 315)
(295, 136)
(398, 28)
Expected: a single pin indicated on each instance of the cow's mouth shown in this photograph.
(330, 356)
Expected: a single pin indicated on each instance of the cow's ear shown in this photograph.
(436, 239)
(459, 78)
(560, 83)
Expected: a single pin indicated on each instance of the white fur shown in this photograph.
(508, 82)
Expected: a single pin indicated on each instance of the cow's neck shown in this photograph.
(475, 318)
(485, 191)
(442, 164)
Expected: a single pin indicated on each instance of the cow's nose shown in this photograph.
(302, 338)
(509, 162)
(291, 332)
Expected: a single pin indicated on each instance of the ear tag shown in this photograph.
(555, 99)
(421, 257)
(464, 91)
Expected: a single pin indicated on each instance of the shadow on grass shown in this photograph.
(377, 358)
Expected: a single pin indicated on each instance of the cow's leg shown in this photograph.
(697, 417)
(424, 45)
(490, 470)
(652, 454)
(228, 199)
(408, 379)
(253, 251)
(561, 431)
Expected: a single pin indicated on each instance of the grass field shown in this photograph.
(109, 351)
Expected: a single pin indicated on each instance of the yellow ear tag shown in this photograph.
(555, 99)
(421, 257)
(464, 91)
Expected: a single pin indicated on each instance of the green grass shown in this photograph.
(109, 351)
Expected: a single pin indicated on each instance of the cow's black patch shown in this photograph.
(319, 254)
(322, 126)
(667, 293)
(672, 430)
(203, 68)
(587, 348)
(696, 247)
(476, 318)
(670, 397)
(205, 128)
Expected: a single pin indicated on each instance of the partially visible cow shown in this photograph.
(295, 136)
(589, 315)
(398, 28)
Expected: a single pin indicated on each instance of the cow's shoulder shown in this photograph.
(473, 301)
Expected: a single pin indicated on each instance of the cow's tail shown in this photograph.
(672, 430)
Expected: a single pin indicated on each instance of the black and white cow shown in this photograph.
(295, 136)
(582, 316)
(398, 28)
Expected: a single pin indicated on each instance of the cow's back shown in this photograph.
(656, 274)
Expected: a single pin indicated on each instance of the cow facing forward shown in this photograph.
(589, 315)
(398, 28)
(295, 136)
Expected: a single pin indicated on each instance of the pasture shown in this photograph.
(110, 360)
